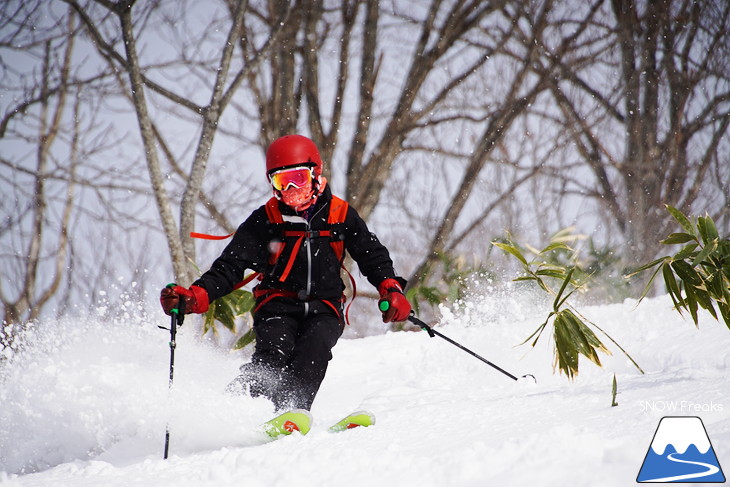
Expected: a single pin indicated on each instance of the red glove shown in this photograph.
(393, 303)
(195, 299)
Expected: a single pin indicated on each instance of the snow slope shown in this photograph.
(86, 404)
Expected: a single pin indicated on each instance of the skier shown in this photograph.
(296, 241)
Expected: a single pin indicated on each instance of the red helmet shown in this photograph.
(293, 150)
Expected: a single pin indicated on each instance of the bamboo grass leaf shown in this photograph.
(246, 339)
(725, 312)
(571, 336)
(566, 355)
(687, 273)
(554, 273)
(653, 263)
(707, 229)
(651, 280)
(678, 238)
(562, 301)
(538, 331)
(704, 300)
(686, 252)
(562, 289)
(209, 320)
(691, 304)
(224, 314)
(512, 250)
(586, 342)
(682, 219)
(710, 248)
(554, 246)
(672, 287)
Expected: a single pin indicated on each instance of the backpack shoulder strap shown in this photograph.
(338, 210)
(337, 215)
(273, 212)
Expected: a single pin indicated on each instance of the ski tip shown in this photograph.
(353, 420)
(299, 420)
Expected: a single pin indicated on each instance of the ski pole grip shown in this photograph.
(383, 305)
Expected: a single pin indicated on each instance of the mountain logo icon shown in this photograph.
(681, 452)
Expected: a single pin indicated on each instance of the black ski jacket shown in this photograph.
(315, 274)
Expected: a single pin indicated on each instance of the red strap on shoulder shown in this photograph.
(211, 237)
(249, 278)
(338, 210)
(337, 214)
(292, 258)
(273, 211)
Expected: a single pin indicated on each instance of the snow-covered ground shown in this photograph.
(86, 404)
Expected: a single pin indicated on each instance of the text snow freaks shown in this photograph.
(681, 407)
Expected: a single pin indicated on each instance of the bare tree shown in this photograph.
(424, 112)
(35, 276)
(181, 247)
(387, 68)
(668, 104)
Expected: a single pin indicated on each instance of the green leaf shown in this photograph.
(651, 280)
(209, 320)
(562, 289)
(725, 297)
(704, 299)
(247, 338)
(555, 246)
(653, 263)
(574, 338)
(725, 312)
(686, 251)
(707, 229)
(412, 296)
(678, 238)
(682, 219)
(704, 253)
(672, 287)
(226, 309)
(566, 355)
(566, 235)
(687, 273)
(431, 294)
(243, 302)
(588, 340)
(224, 315)
(537, 332)
(512, 250)
(716, 286)
(555, 274)
(691, 304)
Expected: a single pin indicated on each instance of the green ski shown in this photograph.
(354, 420)
(285, 424)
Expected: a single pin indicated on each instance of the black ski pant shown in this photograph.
(294, 343)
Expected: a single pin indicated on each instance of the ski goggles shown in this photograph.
(299, 177)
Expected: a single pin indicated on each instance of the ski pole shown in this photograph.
(384, 305)
(176, 319)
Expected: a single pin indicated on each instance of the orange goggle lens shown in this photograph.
(298, 177)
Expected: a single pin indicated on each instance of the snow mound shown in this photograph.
(86, 402)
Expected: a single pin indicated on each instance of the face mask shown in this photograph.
(298, 198)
